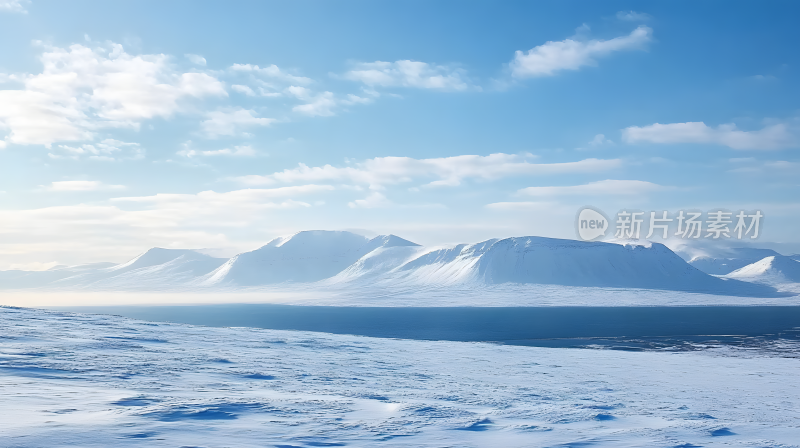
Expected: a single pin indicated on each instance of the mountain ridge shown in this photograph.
(388, 261)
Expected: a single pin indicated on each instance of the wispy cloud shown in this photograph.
(406, 73)
(196, 59)
(776, 136)
(246, 90)
(81, 185)
(771, 167)
(572, 54)
(322, 104)
(598, 141)
(446, 171)
(106, 150)
(237, 151)
(232, 122)
(272, 72)
(17, 6)
(633, 16)
(374, 200)
(599, 188)
(250, 197)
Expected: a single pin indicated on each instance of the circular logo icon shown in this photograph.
(591, 224)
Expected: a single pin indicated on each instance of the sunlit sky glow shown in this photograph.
(127, 125)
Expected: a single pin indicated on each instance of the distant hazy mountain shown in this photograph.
(154, 268)
(306, 256)
(731, 260)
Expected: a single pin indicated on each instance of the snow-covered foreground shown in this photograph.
(92, 380)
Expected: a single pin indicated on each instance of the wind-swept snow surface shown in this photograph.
(105, 381)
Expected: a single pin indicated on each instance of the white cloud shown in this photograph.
(407, 73)
(273, 72)
(633, 16)
(243, 90)
(522, 205)
(600, 140)
(773, 167)
(446, 171)
(321, 105)
(572, 54)
(81, 185)
(374, 200)
(600, 188)
(776, 136)
(237, 151)
(249, 198)
(232, 121)
(108, 150)
(782, 165)
(355, 99)
(125, 226)
(5, 77)
(82, 90)
(14, 6)
(196, 59)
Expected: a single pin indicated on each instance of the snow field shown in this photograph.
(93, 380)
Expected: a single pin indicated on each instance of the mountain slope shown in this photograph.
(731, 260)
(306, 256)
(771, 270)
(156, 267)
(537, 260)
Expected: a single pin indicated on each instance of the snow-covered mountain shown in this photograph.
(538, 260)
(154, 268)
(344, 259)
(13, 279)
(730, 260)
(306, 256)
(777, 269)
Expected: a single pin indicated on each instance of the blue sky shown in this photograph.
(126, 125)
